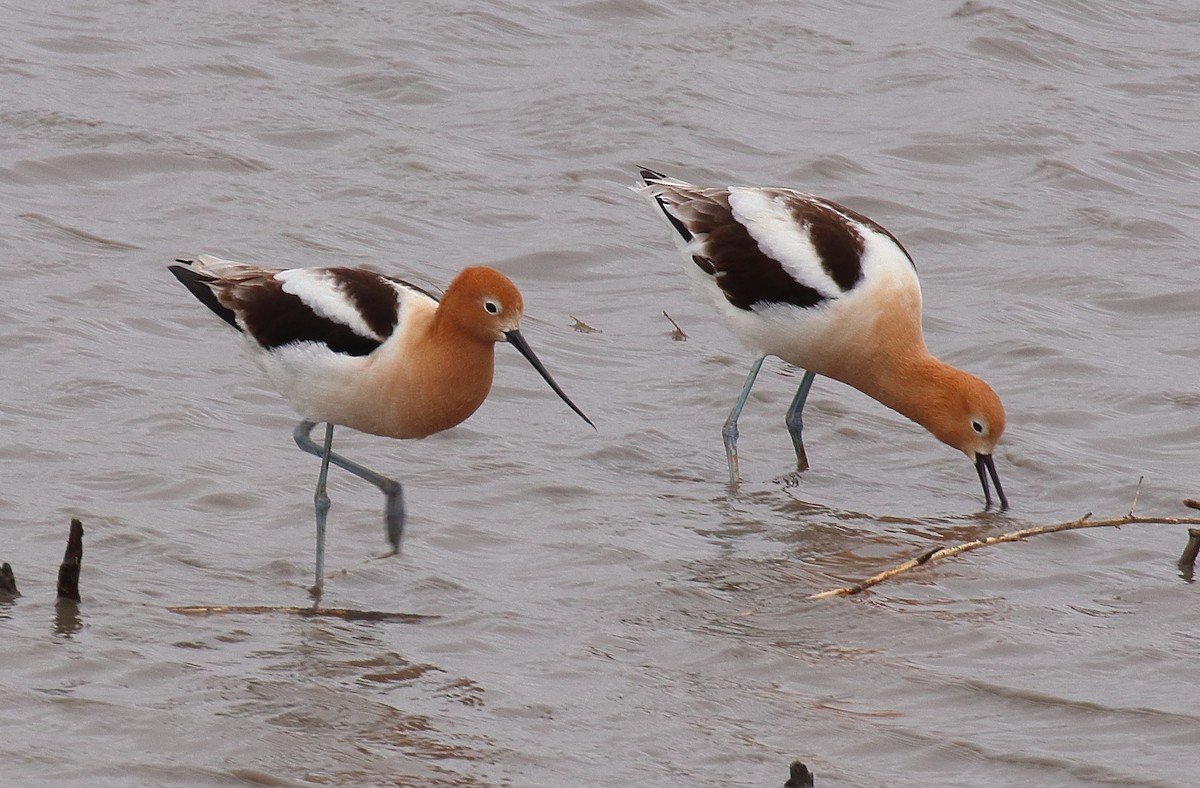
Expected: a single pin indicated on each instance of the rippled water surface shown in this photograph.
(597, 608)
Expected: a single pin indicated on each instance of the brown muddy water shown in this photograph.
(602, 610)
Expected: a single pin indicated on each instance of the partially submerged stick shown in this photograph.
(1187, 561)
(68, 570)
(799, 776)
(1015, 536)
(679, 335)
(8, 582)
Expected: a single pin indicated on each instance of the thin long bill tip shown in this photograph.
(516, 340)
(985, 467)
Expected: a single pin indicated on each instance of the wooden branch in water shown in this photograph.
(305, 612)
(1136, 492)
(68, 570)
(1014, 536)
(583, 327)
(1187, 561)
(679, 335)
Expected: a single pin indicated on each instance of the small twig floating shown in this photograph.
(304, 612)
(679, 335)
(583, 327)
(1014, 536)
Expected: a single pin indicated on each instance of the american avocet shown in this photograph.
(352, 347)
(830, 291)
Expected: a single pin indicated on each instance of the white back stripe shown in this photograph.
(320, 292)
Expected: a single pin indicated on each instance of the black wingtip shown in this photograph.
(649, 175)
(198, 284)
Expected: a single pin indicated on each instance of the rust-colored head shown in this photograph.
(969, 415)
(966, 413)
(483, 304)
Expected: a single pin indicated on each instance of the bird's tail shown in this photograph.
(198, 277)
(666, 193)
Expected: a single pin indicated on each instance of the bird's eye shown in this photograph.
(492, 307)
(978, 427)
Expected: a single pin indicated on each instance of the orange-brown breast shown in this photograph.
(424, 382)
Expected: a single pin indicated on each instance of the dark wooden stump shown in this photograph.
(1187, 561)
(8, 582)
(800, 776)
(68, 570)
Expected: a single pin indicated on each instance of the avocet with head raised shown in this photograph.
(352, 347)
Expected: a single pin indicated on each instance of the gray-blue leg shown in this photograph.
(795, 422)
(391, 489)
(729, 432)
(321, 503)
